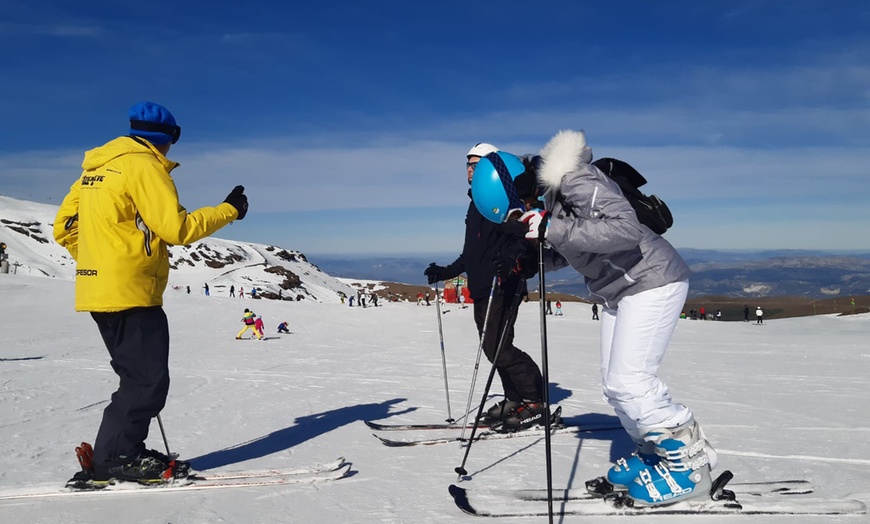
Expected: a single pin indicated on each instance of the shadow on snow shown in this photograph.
(305, 428)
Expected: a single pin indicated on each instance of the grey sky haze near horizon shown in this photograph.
(348, 123)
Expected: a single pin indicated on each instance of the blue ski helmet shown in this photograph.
(492, 188)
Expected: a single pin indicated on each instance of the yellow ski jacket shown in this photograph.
(117, 221)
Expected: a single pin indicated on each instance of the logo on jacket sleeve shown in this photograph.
(89, 180)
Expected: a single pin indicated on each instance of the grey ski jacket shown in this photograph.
(594, 228)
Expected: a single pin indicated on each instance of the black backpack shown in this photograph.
(651, 210)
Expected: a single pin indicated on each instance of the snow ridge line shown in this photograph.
(794, 457)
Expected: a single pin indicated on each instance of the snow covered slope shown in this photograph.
(784, 400)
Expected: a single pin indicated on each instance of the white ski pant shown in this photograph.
(634, 339)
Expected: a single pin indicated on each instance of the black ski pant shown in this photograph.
(520, 376)
(138, 342)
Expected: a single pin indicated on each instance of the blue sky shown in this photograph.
(348, 122)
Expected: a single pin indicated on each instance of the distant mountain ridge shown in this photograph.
(26, 228)
(813, 274)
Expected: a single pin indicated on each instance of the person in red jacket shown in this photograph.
(259, 327)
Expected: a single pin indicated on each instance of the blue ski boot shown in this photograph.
(627, 468)
(683, 471)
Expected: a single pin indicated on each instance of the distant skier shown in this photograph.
(282, 327)
(253, 292)
(594, 311)
(260, 327)
(250, 322)
(558, 309)
(117, 222)
(745, 313)
(233, 291)
(206, 289)
(759, 315)
(241, 292)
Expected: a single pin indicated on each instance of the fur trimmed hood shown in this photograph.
(562, 154)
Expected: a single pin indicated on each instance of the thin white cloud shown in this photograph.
(51, 29)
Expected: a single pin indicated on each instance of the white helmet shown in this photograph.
(482, 149)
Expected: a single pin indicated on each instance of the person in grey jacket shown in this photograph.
(642, 283)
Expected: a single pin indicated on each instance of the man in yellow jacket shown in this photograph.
(117, 222)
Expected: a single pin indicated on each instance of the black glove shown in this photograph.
(434, 273)
(515, 260)
(238, 200)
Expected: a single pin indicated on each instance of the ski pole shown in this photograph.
(479, 351)
(545, 374)
(443, 356)
(460, 470)
(162, 432)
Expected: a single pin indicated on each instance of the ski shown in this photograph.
(227, 475)
(194, 482)
(418, 427)
(496, 435)
(441, 426)
(530, 503)
(758, 489)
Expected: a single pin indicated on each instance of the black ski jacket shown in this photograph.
(483, 240)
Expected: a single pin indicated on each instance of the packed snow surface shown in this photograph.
(785, 400)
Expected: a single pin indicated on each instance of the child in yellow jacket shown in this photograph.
(250, 323)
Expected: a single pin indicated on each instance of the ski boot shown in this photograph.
(142, 468)
(624, 472)
(683, 470)
(179, 468)
(526, 415)
(497, 413)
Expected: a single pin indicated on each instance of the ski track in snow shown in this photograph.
(835, 460)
